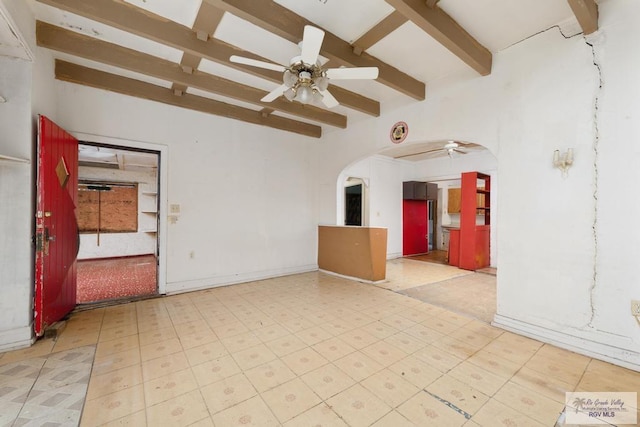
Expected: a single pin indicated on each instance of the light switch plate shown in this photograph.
(635, 308)
(174, 208)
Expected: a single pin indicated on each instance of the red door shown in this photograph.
(414, 227)
(56, 227)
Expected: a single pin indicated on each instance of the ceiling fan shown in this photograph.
(304, 80)
(449, 149)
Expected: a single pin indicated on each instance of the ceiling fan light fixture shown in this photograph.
(322, 83)
(289, 78)
(290, 94)
(304, 94)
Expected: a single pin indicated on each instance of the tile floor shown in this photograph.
(303, 350)
(112, 278)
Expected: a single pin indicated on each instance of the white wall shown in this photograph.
(141, 242)
(246, 193)
(16, 197)
(384, 187)
(558, 279)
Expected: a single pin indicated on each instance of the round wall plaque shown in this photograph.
(399, 132)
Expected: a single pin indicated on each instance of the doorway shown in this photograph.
(118, 217)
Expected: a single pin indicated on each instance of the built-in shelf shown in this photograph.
(148, 231)
(150, 193)
(14, 159)
(150, 212)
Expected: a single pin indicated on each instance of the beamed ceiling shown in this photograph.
(177, 52)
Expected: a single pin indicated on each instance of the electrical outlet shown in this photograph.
(635, 308)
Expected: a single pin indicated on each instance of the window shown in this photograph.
(107, 207)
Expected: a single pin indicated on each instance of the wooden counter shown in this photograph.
(358, 252)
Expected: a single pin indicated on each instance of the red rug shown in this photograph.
(113, 278)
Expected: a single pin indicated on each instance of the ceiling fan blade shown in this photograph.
(353, 73)
(459, 151)
(256, 63)
(274, 94)
(311, 43)
(329, 100)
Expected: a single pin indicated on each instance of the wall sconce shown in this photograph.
(563, 161)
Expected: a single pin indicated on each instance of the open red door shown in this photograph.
(56, 227)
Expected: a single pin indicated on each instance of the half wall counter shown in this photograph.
(356, 252)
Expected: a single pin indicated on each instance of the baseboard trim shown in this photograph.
(598, 350)
(214, 282)
(15, 339)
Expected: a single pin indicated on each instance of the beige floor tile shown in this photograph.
(69, 341)
(495, 364)
(118, 332)
(113, 406)
(303, 361)
(154, 323)
(320, 415)
(333, 348)
(455, 318)
(285, 345)
(290, 399)
(603, 376)
(379, 330)
(215, 370)
(229, 329)
(116, 361)
(159, 349)
(384, 353)
(483, 329)
(252, 412)
(405, 342)
(253, 356)
(398, 322)
(107, 348)
(358, 365)
(197, 339)
(530, 403)
(546, 385)
(313, 335)
(425, 410)
(157, 336)
(111, 382)
(169, 386)
(458, 394)
(494, 413)
(393, 419)
(204, 353)
(440, 325)
(194, 327)
(240, 342)
(227, 393)
(358, 406)
(205, 422)
(460, 349)
(423, 333)
(327, 381)
(416, 371)
(471, 337)
(269, 375)
(391, 388)
(297, 324)
(557, 365)
(358, 338)
(183, 410)
(136, 419)
(270, 332)
(41, 348)
(478, 378)
(164, 365)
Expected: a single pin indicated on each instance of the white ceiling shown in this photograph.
(496, 24)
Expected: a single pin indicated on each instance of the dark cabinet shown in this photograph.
(416, 190)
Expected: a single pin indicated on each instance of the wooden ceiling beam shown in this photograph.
(586, 12)
(285, 23)
(134, 20)
(73, 73)
(439, 25)
(380, 31)
(70, 42)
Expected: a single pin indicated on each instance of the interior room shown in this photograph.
(257, 163)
